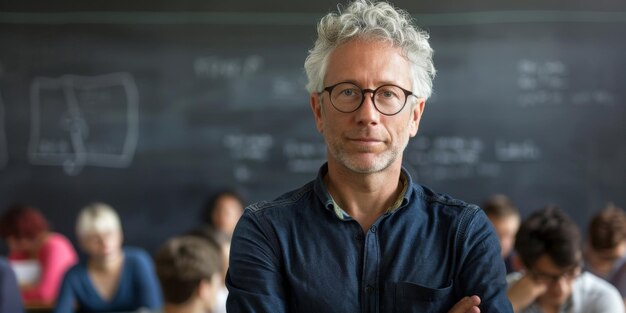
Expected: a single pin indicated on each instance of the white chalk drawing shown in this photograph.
(4, 148)
(75, 121)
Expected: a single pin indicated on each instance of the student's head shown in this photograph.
(99, 231)
(369, 75)
(548, 243)
(22, 227)
(223, 210)
(218, 239)
(505, 219)
(607, 238)
(372, 21)
(189, 270)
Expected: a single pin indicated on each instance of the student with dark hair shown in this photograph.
(548, 243)
(10, 300)
(605, 253)
(223, 210)
(505, 219)
(222, 241)
(27, 234)
(189, 270)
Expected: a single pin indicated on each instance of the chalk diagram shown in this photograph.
(79, 121)
(4, 152)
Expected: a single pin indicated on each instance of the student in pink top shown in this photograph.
(28, 237)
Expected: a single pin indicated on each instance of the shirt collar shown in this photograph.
(322, 193)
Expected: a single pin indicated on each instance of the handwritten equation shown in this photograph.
(78, 121)
(444, 158)
(548, 82)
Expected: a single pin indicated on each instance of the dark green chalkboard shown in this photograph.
(152, 105)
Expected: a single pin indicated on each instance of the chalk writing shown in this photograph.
(508, 151)
(249, 147)
(304, 156)
(215, 67)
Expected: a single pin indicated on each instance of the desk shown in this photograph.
(35, 307)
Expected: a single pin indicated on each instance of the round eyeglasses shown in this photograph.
(387, 99)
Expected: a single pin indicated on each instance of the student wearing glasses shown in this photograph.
(548, 243)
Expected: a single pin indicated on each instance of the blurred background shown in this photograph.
(151, 106)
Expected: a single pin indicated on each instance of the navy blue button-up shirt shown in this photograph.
(295, 254)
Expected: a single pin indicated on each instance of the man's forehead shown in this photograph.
(360, 63)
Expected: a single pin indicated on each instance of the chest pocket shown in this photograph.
(410, 297)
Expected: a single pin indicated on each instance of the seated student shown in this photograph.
(548, 243)
(605, 253)
(29, 239)
(223, 211)
(189, 269)
(113, 278)
(221, 240)
(505, 219)
(10, 300)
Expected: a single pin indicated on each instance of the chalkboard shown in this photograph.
(152, 106)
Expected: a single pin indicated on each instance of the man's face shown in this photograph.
(366, 141)
(559, 281)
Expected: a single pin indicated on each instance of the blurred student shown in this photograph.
(113, 278)
(29, 239)
(605, 253)
(506, 220)
(221, 240)
(548, 244)
(10, 300)
(223, 211)
(189, 270)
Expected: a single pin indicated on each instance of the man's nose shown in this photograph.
(367, 113)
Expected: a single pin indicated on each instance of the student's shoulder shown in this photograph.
(594, 286)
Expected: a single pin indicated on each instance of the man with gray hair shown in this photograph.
(363, 236)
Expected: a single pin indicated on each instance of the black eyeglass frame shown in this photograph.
(329, 89)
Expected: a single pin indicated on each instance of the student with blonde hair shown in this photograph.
(113, 278)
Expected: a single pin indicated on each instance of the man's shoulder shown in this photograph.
(441, 202)
(287, 200)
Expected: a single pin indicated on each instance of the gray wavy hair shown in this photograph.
(372, 20)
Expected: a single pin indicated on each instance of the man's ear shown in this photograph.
(316, 107)
(416, 115)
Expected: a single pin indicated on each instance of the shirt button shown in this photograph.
(373, 229)
(369, 289)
